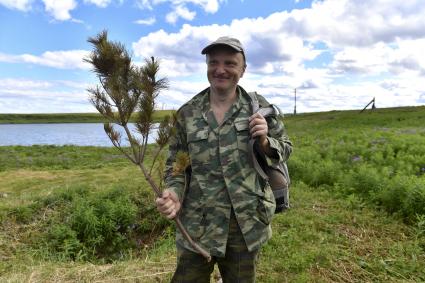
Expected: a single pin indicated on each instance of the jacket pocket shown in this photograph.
(198, 148)
(242, 135)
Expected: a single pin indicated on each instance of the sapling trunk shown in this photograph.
(125, 90)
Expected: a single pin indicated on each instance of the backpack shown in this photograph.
(276, 175)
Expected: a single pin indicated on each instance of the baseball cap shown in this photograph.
(225, 40)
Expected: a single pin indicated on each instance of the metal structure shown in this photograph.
(371, 102)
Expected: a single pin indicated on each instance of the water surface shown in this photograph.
(81, 134)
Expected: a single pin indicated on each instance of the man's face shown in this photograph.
(225, 68)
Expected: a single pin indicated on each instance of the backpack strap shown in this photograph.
(277, 175)
(255, 106)
(270, 110)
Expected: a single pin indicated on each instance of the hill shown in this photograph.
(358, 215)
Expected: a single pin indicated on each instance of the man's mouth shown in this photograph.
(221, 78)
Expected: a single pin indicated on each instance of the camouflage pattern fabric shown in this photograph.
(237, 266)
(221, 176)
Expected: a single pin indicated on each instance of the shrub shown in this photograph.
(22, 214)
(420, 225)
(404, 195)
(64, 197)
(327, 172)
(64, 243)
(297, 168)
(364, 179)
(92, 225)
(414, 202)
(390, 197)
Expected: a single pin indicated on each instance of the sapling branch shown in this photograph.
(132, 144)
(158, 151)
(145, 145)
(115, 138)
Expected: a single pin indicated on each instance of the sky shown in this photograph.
(337, 54)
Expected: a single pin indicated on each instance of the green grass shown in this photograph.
(59, 157)
(357, 207)
(65, 118)
(328, 239)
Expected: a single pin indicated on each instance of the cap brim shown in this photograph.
(212, 45)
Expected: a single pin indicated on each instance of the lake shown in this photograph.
(81, 134)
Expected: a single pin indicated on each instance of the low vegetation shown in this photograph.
(358, 195)
(378, 157)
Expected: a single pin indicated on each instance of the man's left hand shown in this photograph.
(258, 128)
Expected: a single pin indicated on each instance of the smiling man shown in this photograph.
(226, 207)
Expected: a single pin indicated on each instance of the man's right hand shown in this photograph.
(169, 204)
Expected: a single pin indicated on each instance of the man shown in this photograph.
(226, 207)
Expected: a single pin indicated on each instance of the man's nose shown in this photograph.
(220, 69)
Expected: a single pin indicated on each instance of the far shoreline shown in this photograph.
(56, 118)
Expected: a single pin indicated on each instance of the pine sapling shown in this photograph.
(126, 91)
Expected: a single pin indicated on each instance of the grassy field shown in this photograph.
(358, 214)
(64, 118)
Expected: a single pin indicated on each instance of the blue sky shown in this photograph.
(339, 54)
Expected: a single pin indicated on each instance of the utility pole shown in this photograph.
(295, 106)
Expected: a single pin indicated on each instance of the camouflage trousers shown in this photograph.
(238, 265)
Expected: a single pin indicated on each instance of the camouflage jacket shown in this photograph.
(221, 175)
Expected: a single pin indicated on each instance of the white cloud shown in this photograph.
(209, 6)
(400, 57)
(362, 60)
(8, 83)
(72, 59)
(180, 12)
(177, 93)
(409, 55)
(99, 3)
(144, 4)
(52, 102)
(338, 53)
(179, 8)
(148, 21)
(358, 23)
(31, 96)
(60, 9)
(365, 43)
(22, 5)
(268, 50)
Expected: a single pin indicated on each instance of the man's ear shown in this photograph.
(243, 70)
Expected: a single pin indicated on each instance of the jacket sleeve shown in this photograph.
(175, 181)
(279, 141)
